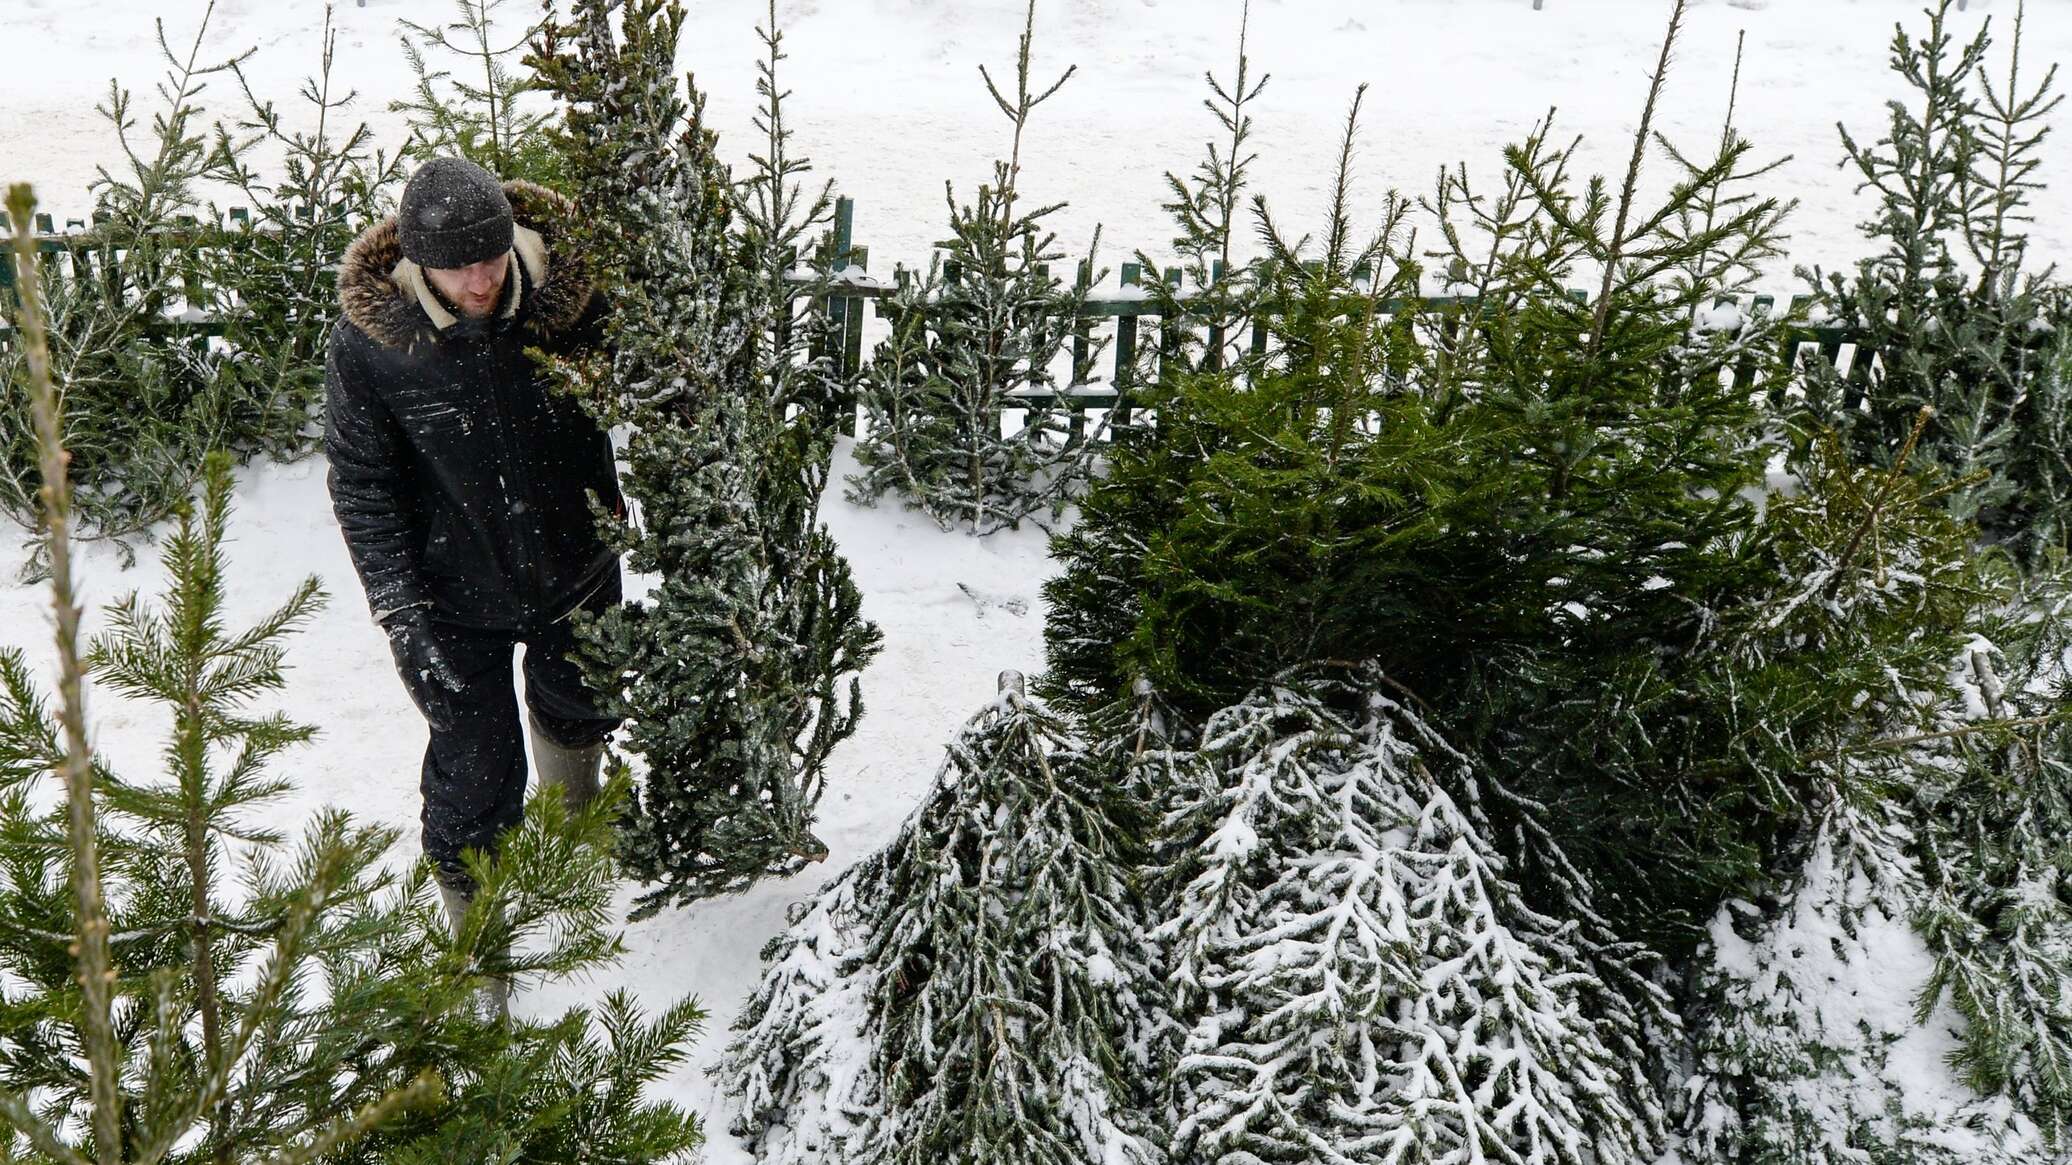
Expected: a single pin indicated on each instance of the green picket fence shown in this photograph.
(82, 252)
(1132, 313)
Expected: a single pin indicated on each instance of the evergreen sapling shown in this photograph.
(1986, 354)
(273, 283)
(982, 333)
(1840, 684)
(1997, 908)
(1207, 319)
(142, 405)
(1157, 442)
(483, 120)
(732, 670)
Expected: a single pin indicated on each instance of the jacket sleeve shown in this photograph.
(371, 483)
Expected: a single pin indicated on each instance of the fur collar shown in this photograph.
(385, 296)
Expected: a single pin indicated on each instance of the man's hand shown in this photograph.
(418, 657)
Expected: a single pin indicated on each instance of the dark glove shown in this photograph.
(418, 657)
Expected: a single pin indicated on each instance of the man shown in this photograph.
(463, 486)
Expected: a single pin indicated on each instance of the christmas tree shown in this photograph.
(969, 993)
(1149, 574)
(1503, 502)
(1843, 680)
(1997, 908)
(485, 121)
(144, 403)
(1363, 980)
(1985, 353)
(1157, 443)
(982, 332)
(274, 285)
(1791, 1069)
(1206, 320)
(732, 670)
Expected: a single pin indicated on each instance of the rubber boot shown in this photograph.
(493, 1001)
(574, 769)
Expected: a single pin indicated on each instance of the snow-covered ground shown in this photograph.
(887, 100)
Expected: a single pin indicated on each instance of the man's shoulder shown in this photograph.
(360, 366)
(382, 312)
(349, 345)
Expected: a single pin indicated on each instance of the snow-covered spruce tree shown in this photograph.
(1834, 689)
(731, 671)
(311, 1009)
(802, 1073)
(1997, 914)
(1984, 351)
(1362, 979)
(1795, 1069)
(986, 326)
(965, 995)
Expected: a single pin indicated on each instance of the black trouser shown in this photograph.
(474, 766)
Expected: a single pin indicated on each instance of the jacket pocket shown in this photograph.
(432, 415)
(441, 545)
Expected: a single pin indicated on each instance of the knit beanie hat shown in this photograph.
(454, 213)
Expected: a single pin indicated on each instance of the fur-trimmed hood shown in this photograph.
(386, 296)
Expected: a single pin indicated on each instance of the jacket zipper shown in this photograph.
(522, 538)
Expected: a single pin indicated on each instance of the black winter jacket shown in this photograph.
(459, 479)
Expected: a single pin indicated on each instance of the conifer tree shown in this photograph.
(1841, 680)
(732, 670)
(1502, 509)
(1135, 579)
(143, 407)
(148, 394)
(1727, 266)
(1588, 395)
(1363, 980)
(982, 332)
(1791, 1070)
(1206, 321)
(802, 1072)
(966, 994)
(1997, 910)
(314, 1008)
(1985, 353)
(480, 115)
(273, 282)
(1158, 444)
